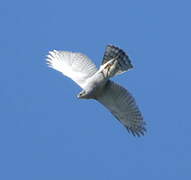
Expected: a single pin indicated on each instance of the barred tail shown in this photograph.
(117, 54)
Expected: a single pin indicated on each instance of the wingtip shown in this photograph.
(137, 133)
(51, 55)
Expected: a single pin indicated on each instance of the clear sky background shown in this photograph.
(47, 133)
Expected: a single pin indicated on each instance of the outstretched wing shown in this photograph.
(123, 106)
(76, 66)
(123, 61)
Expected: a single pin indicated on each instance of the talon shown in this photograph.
(108, 66)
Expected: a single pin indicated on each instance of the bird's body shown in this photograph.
(93, 86)
(96, 84)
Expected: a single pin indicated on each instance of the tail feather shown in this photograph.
(117, 59)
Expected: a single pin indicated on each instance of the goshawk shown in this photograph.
(96, 83)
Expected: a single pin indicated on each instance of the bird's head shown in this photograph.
(81, 95)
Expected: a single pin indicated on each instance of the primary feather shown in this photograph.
(123, 106)
(76, 66)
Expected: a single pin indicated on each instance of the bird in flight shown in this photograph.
(96, 83)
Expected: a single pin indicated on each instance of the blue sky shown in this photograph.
(46, 133)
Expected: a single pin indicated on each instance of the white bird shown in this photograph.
(96, 84)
